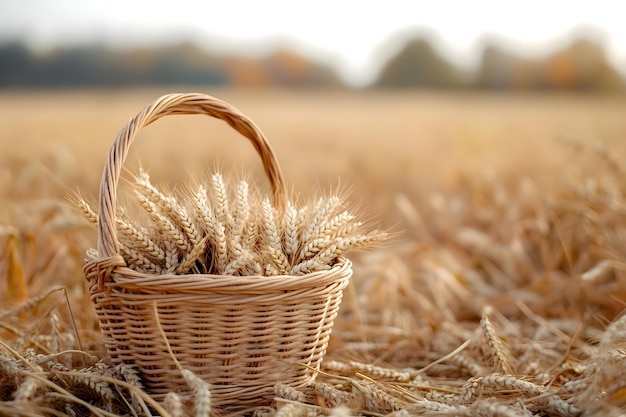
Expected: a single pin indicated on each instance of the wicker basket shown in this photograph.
(240, 334)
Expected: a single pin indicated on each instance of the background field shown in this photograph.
(511, 201)
(380, 142)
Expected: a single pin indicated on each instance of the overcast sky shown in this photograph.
(353, 36)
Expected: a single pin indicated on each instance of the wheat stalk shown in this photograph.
(501, 383)
(321, 210)
(494, 347)
(196, 255)
(277, 261)
(171, 257)
(215, 229)
(169, 206)
(241, 211)
(369, 369)
(291, 231)
(201, 232)
(88, 213)
(87, 379)
(221, 196)
(380, 398)
(138, 261)
(336, 228)
(334, 397)
(240, 264)
(164, 224)
(289, 393)
(134, 236)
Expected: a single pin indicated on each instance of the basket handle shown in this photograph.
(172, 104)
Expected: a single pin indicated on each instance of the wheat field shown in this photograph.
(501, 293)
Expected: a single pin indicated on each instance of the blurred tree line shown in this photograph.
(184, 64)
(580, 66)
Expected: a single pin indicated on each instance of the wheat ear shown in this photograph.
(494, 347)
(241, 263)
(131, 238)
(191, 258)
(320, 211)
(241, 211)
(129, 374)
(87, 378)
(475, 387)
(333, 397)
(138, 261)
(274, 245)
(26, 390)
(88, 212)
(173, 404)
(289, 393)
(169, 207)
(137, 237)
(380, 398)
(165, 205)
(338, 227)
(202, 393)
(291, 231)
(250, 238)
(222, 210)
(215, 229)
(164, 224)
(324, 259)
(171, 257)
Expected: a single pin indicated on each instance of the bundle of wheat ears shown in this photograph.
(222, 230)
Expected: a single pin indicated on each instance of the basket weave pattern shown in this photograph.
(240, 334)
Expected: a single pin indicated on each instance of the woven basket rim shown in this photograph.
(124, 278)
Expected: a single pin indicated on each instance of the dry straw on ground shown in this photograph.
(505, 299)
